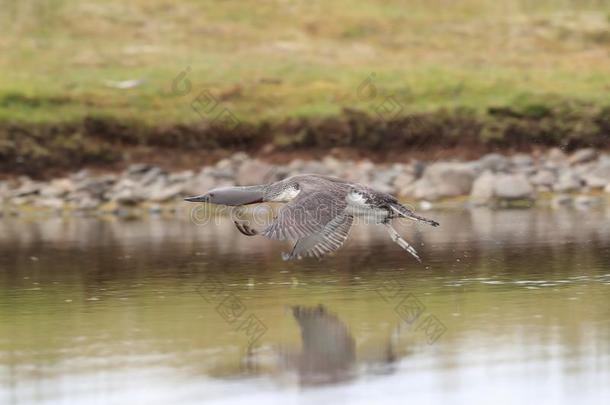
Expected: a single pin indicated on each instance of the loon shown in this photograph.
(319, 212)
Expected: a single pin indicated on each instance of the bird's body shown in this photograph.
(318, 213)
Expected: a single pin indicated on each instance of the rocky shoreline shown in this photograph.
(552, 178)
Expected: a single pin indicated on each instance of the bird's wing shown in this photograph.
(328, 240)
(307, 214)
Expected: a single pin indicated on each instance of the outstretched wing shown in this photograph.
(305, 215)
(328, 240)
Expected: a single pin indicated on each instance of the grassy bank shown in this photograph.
(162, 69)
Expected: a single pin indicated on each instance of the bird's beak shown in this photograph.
(232, 196)
(198, 198)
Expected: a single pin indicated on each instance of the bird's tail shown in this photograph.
(404, 212)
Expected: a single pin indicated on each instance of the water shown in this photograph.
(511, 305)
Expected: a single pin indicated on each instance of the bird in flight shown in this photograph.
(319, 212)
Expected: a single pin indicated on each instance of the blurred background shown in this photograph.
(492, 117)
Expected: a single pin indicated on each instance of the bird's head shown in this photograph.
(231, 195)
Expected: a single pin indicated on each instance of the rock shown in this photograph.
(137, 169)
(583, 156)
(4, 190)
(181, 177)
(561, 200)
(239, 158)
(86, 203)
(568, 181)
(445, 179)
(200, 184)
(403, 183)
(53, 203)
(57, 188)
(150, 176)
(586, 201)
(483, 189)
(224, 169)
(544, 178)
(333, 164)
(493, 162)
(254, 172)
(599, 177)
(557, 157)
(513, 187)
(385, 177)
(96, 186)
(161, 192)
(126, 191)
(28, 187)
(522, 160)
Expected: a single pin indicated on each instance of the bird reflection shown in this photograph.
(328, 353)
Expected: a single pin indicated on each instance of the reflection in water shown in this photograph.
(103, 311)
(328, 349)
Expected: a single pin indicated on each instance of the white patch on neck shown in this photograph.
(287, 195)
(356, 199)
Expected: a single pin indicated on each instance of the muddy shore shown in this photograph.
(48, 150)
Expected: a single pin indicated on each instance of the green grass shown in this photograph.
(278, 59)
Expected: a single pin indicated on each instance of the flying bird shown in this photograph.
(319, 211)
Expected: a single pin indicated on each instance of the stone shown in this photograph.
(513, 187)
(150, 176)
(254, 172)
(239, 158)
(53, 203)
(161, 192)
(385, 177)
(557, 156)
(86, 203)
(445, 179)
(403, 183)
(568, 181)
(561, 200)
(96, 186)
(27, 187)
(200, 184)
(126, 191)
(582, 156)
(599, 177)
(522, 160)
(382, 187)
(586, 201)
(57, 188)
(137, 169)
(4, 190)
(181, 177)
(494, 162)
(544, 178)
(333, 164)
(483, 189)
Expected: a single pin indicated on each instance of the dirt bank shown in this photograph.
(43, 150)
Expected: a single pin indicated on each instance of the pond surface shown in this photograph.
(507, 306)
